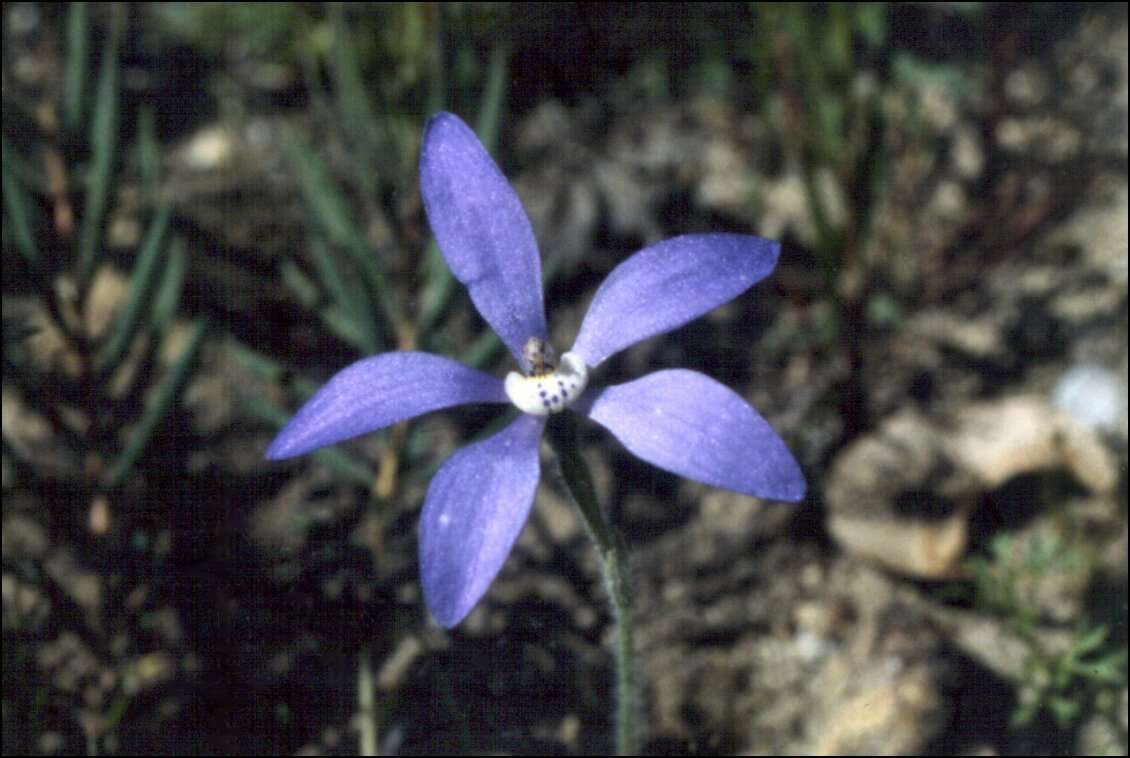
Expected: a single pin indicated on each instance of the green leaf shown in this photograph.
(29, 175)
(323, 198)
(1109, 669)
(104, 144)
(837, 40)
(169, 290)
(269, 368)
(167, 392)
(350, 299)
(484, 351)
(494, 95)
(77, 66)
(341, 322)
(331, 211)
(344, 326)
(1090, 641)
(1064, 709)
(17, 210)
(128, 318)
(871, 23)
(256, 361)
(303, 287)
(437, 79)
(358, 115)
(149, 155)
(1024, 714)
(351, 468)
(438, 289)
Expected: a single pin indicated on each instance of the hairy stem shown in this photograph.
(614, 567)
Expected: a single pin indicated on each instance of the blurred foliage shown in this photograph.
(73, 174)
(363, 285)
(102, 367)
(821, 73)
(1070, 684)
(392, 46)
(265, 30)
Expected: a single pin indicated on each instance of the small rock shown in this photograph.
(1094, 397)
(901, 497)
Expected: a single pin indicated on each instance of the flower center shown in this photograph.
(547, 388)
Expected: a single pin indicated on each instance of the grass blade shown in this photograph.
(169, 290)
(342, 323)
(484, 351)
(268, 368)
(17, 210)
(149, 156)
(104, 142)
(167, 392)
(494, 96)
(141, 283)
(300, 284)
(1090, 641)
(75, 75)
(346, 328)
(353, 101)
(437, 79)
(439, 286)
(350, 299)
(331, 211)
(321, 194)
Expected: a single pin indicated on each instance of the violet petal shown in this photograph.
(689, 424)
(377, 392)
(476, 505)
(482, 230)
(668, 284)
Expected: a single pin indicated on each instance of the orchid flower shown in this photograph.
(678, 420)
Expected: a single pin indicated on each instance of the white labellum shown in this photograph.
(550, 392)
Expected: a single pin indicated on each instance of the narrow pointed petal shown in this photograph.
(689, 424)
(665, 285)
(377, 392)
(482, 230)
(476, 505)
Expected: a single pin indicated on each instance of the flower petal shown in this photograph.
(482, 230)
(668, 284)
(476, 505)
(689, 424)
(377, 392)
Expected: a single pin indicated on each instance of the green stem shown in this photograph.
(613, 566)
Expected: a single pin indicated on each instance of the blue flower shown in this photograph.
(679, 420)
